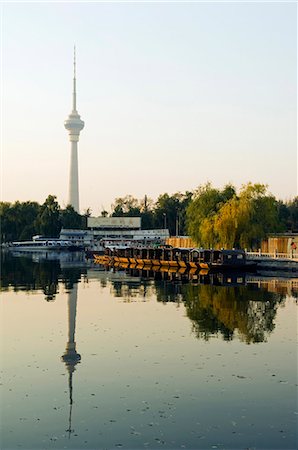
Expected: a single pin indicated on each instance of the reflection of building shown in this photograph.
(285, 286)
(71, 357)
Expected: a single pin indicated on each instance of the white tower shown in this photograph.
(74, 125)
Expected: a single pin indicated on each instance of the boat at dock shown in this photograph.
(175, 258)
(42, 244)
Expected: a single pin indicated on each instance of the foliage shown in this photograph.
(132, 207)
(18, 220)
(83, 220)
(205, 203)
(228, 310)
(126, 206)
(292, 219)
(212, 217)
(170, 211)
(23, 220)
(223, 219)
(48, 219)
(70, 219)
(24, 274)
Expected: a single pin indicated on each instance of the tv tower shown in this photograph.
(74, 125)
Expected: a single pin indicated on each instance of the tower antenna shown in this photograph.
(74, 98)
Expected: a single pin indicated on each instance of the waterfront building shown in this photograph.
(124, 228)
(281, 243)
(114, 229)
(74, 125)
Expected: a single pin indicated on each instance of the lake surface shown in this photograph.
(106, 359)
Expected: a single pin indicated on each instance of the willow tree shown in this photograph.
(202, 210)
(248, 218)
(240, 221)
(226, 223)
(262, 215)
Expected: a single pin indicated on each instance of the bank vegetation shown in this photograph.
(212, 217)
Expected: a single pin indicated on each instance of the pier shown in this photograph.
(274, 261)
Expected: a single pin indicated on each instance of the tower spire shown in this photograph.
(74, 95)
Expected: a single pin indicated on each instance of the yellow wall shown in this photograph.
(183, 242)
(281, 244)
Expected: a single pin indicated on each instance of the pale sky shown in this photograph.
(172, 95)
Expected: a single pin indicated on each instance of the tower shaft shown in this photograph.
(74, 177)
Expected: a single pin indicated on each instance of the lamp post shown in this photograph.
(165, 220)
(177, 225)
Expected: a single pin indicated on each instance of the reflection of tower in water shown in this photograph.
(71, 358)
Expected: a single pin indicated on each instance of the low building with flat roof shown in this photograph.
(280, 243)
(112, 223)
(114, 228)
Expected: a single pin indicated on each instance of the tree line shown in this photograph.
(212, 217)
(22, 220)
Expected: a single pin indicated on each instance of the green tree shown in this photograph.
(48, 220)
(292, 223)
(7, 222)
(146, 209)
(170, 212)
(18, 220)
(126, 206)
(223, 219)
(28, 214)
(184, 200)
(201, 211)
(226, 223)
(257, 216)
(69, 218)
(165, 212)
(207, 232)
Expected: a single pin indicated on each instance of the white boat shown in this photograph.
(40, 243)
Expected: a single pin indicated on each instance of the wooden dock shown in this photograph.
(274, 261)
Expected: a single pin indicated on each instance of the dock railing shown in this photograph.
(274, 255)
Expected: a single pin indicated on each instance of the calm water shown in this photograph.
(96, 359)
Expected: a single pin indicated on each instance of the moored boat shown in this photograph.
(40, 243)
(175, 258)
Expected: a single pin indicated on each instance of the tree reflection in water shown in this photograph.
(225, 310)
(223, 304)
(216, 303)
(23, 273)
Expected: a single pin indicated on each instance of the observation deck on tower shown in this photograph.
(73, 123)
